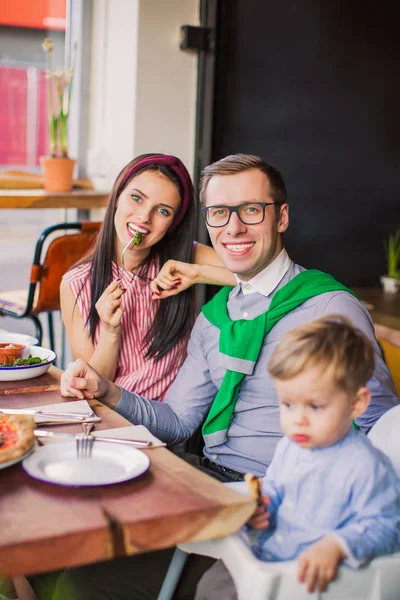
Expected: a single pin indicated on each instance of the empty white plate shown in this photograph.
(17, 338)
(109, 463)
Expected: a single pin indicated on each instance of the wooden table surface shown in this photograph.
(46, 527)
(384, 308)
(48, 382)
(32, 198)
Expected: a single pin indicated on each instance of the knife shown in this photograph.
(39, 433)
(47, 413)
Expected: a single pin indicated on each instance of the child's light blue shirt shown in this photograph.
(349, 489)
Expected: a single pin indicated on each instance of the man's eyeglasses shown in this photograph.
(250, 213)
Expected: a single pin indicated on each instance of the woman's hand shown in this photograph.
(110, 309)
(174, 277)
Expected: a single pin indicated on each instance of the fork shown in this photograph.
(123, 257)
(85, 442)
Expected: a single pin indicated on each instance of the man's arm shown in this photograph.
(188, 399)
(174, 420)
(381, 385)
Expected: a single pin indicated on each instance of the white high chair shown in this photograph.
(258, 580)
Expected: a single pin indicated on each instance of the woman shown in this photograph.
(115, 324)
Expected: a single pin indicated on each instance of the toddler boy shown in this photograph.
(331, 495)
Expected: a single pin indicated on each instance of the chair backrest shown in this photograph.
(385, 435)
(391, 354)
(62, 253)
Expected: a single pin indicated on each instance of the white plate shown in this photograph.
(17, 338)
(9, 463)
(109, 463)
(29, 371)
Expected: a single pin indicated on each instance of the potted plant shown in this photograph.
(58, 167)
(391, 281)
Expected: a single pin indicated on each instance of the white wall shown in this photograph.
(143, 87)
(167, 77)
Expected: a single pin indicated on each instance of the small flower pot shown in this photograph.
(9, 352)
(390, 284)
(58, 173)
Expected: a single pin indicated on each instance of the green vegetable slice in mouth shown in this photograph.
(137, 239)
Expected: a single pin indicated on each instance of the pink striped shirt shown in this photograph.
(147, 377)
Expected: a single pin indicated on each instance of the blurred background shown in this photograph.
(312, 87)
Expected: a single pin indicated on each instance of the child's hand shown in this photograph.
(260, 519)
(319, 563)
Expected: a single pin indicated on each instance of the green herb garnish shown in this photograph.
(137, 239)
(23, 362)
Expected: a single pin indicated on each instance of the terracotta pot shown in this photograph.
(58, 173)
(9, 352)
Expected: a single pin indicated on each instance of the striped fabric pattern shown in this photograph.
(148, 378)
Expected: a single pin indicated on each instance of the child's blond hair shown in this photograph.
(331, 341)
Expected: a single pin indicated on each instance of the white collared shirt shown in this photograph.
(267, 280)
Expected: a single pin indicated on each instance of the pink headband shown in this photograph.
(179, 169)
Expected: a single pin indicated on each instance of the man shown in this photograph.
(224, 380)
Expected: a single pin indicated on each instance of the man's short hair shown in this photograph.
(331, 341)
(238, 163)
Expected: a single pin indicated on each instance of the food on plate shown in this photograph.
(25, 362)
(9, 352)
(16, 436)
(255, 488)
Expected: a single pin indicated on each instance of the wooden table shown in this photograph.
(384, 308)
(48, 382)
(32, 198)
(46, 527)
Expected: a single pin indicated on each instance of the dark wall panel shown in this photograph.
(314, 88)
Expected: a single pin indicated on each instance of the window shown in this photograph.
(23, 86)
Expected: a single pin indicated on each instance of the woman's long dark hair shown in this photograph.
(175, 315)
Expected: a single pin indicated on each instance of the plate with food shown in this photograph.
(16, 438)
(31, 362)
(108, 464)
(17, 338)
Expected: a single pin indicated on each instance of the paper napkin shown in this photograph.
(133, 432)
(80, 406)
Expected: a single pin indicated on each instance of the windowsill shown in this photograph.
(11, 180)
(40, 198)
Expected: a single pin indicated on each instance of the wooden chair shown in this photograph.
(391, 354)
(42, 295)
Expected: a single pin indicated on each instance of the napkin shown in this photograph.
(133, 432)
(80, 406)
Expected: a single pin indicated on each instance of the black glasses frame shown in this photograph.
(235, 209)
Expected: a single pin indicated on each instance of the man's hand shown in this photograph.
(81, 381)
(260, 518)
(319, 563)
